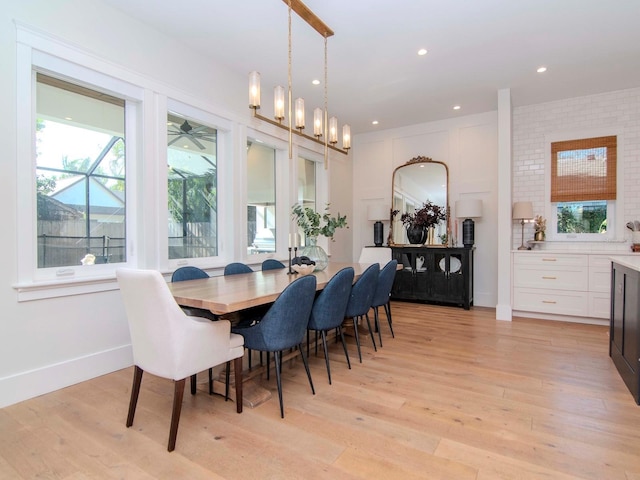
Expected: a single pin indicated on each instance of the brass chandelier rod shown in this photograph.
(311, 18)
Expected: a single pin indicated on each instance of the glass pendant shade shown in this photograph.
(346, 137)
(333, 130)
(317, 122)
(278, 102)
(254, 89)
(299, 109)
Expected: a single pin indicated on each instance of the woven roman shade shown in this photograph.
(583, 170)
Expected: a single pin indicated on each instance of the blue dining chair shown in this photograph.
(236, 268)
(328, 311)
(284, 326)
(194, 273)
(272, 264)
(360, 302)
(382, 295)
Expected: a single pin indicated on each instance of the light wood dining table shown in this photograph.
(233, 293)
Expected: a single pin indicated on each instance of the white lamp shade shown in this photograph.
(254, 89)
(299, 106)
(346, 137)
(317, 122)
(469, 208)
(378, 212)
(333, 130)
(522, 211)
(278, 102)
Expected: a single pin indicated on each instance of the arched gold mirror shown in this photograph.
(419, 180)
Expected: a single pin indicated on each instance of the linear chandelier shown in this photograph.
(322, 124)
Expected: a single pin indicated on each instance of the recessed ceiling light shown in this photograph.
(375, 122)
(186, 146)
(68, 118)
(541, 69)
(457, 107)
(422, 51)
(316, 82)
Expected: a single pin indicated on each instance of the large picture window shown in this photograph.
(80, 175)
(261, 198)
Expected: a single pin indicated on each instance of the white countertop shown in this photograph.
(629, 261)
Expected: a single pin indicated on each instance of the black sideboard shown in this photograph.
(434, 274)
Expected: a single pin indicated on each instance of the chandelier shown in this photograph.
(323, 125)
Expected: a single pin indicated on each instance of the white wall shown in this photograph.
(618, 111)
(48, 344)
(468, 145)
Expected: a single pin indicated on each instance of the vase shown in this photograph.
(416, 235)
(538, 236)
(316, 253)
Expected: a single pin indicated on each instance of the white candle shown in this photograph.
(290, 240)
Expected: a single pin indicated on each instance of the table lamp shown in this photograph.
(377, 213)
(468, 209)
(522, 211)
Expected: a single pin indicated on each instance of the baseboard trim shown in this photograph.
(562, 318)
(22, 386)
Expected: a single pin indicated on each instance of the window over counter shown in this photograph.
(307, 189)
(583, 189)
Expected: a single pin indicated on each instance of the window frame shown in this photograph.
(38, 55)
(224, 155)
(615, 212)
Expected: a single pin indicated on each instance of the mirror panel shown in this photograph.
(419, 180)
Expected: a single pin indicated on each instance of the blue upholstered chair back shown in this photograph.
(188, 273)
(329, 307)
(236, 268)
(285, 323)
(385, 282)
(362, 292)
(272, 264)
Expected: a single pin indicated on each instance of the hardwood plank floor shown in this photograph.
(456, 395)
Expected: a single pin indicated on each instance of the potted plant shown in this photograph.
(421, 220)
(314, 224)
(540, 226)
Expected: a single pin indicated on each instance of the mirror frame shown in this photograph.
(415, 161)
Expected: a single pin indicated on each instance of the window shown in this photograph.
(80, 175)
(583, 187)
(192, 182)
(306, 186)
(261, 198)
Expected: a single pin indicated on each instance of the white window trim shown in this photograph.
(59, 60)
(615, 210)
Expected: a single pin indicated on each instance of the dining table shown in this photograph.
(228, 294)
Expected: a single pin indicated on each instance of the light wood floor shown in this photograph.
(456, 395)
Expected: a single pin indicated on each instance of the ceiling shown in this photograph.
(475, 48)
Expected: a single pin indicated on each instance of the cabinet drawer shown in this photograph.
(550, 301)
(600, 279)
(550, 260)
(567, 278)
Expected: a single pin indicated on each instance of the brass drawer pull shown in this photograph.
(549, 259)
(548, 301)
(548, 278)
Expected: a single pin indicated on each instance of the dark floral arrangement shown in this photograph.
(426, 216)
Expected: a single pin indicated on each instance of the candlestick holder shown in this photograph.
(290, 272)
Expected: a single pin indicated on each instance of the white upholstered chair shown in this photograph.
(381, 255)
(169, 344)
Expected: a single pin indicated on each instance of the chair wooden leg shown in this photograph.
(326, 353)
(226, 381)
(306, 367)
(178, 394)
(193, 384)
(387, 310)
(135, 391)
(376, 321)
(373, 338)
(211, 381)
(237, 371)
(276, 358)
(344, 346)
